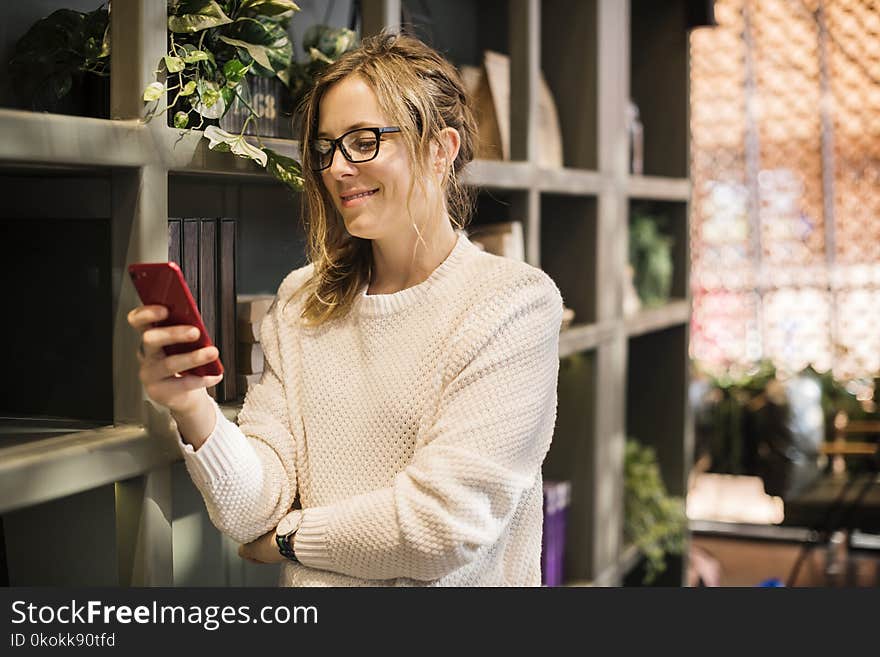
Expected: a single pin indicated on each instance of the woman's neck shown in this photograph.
(406, 260)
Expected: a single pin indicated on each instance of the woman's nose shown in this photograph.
(340, 166)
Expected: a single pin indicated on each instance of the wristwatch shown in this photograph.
(284, 534)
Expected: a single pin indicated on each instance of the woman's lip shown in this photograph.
(357, 198)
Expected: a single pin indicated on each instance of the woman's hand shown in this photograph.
(159, 373)
(262, 550)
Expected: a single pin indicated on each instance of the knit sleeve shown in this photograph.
(483, 448)
(247, 473)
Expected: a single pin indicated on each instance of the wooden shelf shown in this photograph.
(675, 313)
(40, 470)
(583, 337)
(570, 181)
(655, 188)
(58, 139)
(495, 174)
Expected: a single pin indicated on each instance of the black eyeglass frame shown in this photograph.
(337, 144)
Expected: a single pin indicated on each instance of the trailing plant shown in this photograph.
(54, 55)
(650, 254)
(212, 47)
(653, 520)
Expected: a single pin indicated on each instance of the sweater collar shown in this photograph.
(386, 304)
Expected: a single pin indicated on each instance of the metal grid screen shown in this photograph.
(785, 163)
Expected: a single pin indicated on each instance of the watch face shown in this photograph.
(288, 523)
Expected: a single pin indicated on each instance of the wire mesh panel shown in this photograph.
(785, 162)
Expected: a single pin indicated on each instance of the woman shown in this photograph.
(409, 392)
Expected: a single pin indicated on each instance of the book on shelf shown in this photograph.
(557, 496)
(504, 238)
(250, 358)
(253, 307)
(249, 332)
(205, 250)
(226, 309)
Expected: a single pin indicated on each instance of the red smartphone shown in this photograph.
(163, 284)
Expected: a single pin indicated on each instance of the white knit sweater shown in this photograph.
(413, 431)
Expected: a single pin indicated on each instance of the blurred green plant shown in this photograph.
(324, 45)
(212, 47)
(653, 520)
(650, 254)
(55, 54)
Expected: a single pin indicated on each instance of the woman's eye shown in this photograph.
(365, 145)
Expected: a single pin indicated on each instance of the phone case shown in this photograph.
(162, 284)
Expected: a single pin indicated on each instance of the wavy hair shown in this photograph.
(418, 90)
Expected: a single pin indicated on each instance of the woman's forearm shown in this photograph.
(197, 424)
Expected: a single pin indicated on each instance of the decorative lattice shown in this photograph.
(785, 162)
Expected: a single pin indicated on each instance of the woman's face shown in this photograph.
(370, 196)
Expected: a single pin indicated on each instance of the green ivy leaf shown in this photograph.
(234, 71)
(211, 104)
(275, 8)
(188, 88)
(285, 169)
(196, 15)
(194, 56)
(174, 64)
(181, 119)
(154, 91)
(265, 41)
(221, 140)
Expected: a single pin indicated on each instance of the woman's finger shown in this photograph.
(141, 317)
(156, 338)
(172, 386)
(189, 360)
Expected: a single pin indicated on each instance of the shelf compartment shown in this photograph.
(659, 83)
(673, 216)
(87, 527)
(657, 188)
(89, 94)
(656, 401)
(568, 250)
(261, 207)
(649, 320)
(460, 29)
(569, 62)
(35, 471)
(56, 139)
(58, 232)
(570, 457)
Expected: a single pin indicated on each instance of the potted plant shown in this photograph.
(212, 48)
(653, 520)
(62, 63)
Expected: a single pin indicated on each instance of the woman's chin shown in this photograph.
(362, 227)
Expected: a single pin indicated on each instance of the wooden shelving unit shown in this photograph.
(575, 221)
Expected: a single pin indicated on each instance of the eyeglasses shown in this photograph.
(357, 146)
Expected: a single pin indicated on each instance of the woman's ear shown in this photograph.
(449, 145)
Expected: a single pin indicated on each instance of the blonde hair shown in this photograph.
(422, 93)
